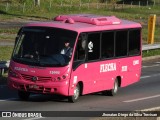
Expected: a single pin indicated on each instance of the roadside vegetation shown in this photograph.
(26, 11)
(151, 53)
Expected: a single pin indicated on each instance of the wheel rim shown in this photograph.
(76, 93)
(115, 87)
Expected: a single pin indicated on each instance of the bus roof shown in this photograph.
(87, 22)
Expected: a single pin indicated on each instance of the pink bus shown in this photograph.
(104, 54)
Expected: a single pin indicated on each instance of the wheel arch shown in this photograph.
(119, 80)
(81, 87)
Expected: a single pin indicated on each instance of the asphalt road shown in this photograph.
(142, 95)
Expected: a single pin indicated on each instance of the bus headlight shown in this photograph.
(13, 74)
(58, 78)
(63, 77)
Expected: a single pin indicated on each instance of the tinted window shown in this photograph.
(93, 46)
(121, 43)
(80, 49)
(80, 54)
(107, 45)
(42, 46)
(134, 42)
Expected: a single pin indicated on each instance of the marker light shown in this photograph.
(63, 77)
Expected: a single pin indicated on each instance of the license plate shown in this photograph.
(33, 86)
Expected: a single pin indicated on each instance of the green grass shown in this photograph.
(151, 53)
(9, 30)
(8, 34)
(6, 38)
(5, 52)
(47, 11)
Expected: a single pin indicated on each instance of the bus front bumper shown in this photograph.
(42, 88)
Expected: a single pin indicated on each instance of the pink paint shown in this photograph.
(93, 76)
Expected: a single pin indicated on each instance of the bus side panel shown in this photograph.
(109, 70)
(95, 76)
(130, 70)
(80, 75)
(99, 76)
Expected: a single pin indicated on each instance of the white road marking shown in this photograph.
(151, 66)
(153, 75)
(144, 98)
(145, 77)
(9, 99)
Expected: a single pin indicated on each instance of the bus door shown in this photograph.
(86, 65)
(93, 61)
(80, 71)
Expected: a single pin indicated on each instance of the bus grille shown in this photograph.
(38, 78)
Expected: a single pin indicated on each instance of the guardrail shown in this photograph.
(150, 47)
(5, 64)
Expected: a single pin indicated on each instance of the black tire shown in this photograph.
(113, 91)
(76, 95)
(23, 95)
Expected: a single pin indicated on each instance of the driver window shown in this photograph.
(80, 49)
(80, 54)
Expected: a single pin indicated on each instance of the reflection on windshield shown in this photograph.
(42, 46)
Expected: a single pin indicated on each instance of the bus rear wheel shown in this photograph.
(76, 95)
(23, 95)
(113, 91)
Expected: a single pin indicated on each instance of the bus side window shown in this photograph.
(107, 45)
(80, 49)
(79, 55)
(93, 46)
(134, 42)
(121, 43)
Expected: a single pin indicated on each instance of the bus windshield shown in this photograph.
(42, 46)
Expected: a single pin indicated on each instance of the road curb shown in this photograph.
(153, 109)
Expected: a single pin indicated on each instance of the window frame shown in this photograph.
(114, 54)
(100, 34)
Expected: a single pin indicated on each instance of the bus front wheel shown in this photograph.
(113, 91)
(23, 95)
(76, 95)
